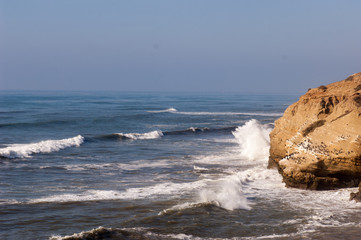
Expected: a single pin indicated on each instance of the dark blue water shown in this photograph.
(162, 165)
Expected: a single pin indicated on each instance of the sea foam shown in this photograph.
(26, 150)
(226, 193)
(125, 233)
(155, 191)
(148, 135)
(253, 139)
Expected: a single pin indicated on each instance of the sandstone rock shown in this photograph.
(316, 144)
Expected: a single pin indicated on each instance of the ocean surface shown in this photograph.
(154, 166)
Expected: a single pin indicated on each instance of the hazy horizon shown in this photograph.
(178, 46)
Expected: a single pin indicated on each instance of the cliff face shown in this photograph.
(316, 144)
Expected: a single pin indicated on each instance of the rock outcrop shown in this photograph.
(356, 196)
(316, 144)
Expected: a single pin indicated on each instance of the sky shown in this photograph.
(253, 46)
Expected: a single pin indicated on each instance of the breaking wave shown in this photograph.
(26, 150)
(158, 133)
(253, 139)
(148, 135)
(226, 193)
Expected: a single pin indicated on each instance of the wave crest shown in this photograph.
(148, 135)
(26, 150)
(164, 111)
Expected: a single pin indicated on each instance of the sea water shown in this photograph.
(159, 165)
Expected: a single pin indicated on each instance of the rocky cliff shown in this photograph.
(316, 144)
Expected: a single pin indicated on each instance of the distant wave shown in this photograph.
(148, 135)
(132, 136)
(26, 150)
(175, 111)
(158, 134)
(187, 131)
(193, 130)
(171, 110)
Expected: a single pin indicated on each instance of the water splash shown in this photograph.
(253, 139)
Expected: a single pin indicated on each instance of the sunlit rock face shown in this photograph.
(316, 144)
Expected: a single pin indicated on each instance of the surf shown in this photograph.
(143, 136)
(47, 146)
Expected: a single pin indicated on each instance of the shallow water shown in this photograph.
(157, 165)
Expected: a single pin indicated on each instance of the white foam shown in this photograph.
(165, 110)
(144, 232)
(8, 201)
(134, 165)
(163, 189)
(195, 168)
(253, 139)
(329, 208)
(80, 235)
(25, 150)
(149, 135)
(179, 207)
(192, 129)
(230, 157)
(226, 193)
(324, 208)
(180, 236)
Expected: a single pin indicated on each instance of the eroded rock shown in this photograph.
(316, 144)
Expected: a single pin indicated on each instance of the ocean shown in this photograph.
(133, 165)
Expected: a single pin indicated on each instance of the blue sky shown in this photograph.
(201, 45)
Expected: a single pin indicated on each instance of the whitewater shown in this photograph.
(154, 166)
(47, 146)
